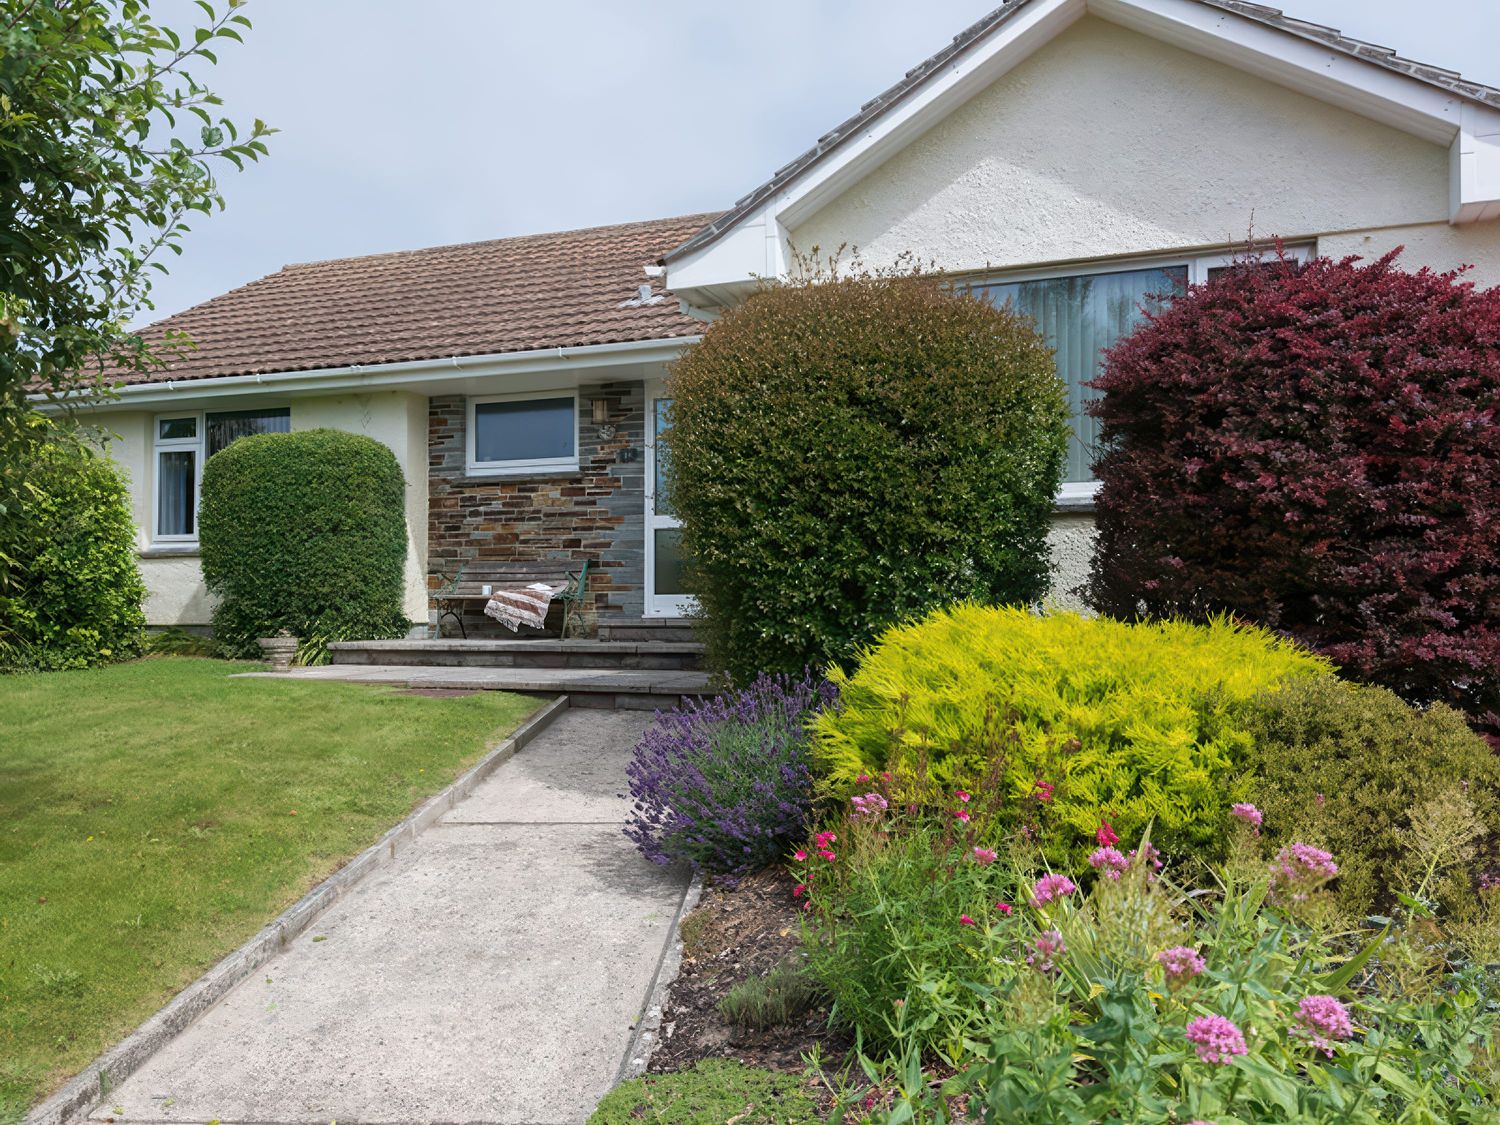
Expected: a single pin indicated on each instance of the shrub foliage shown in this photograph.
(1314, 448)
(1348, 767)
(849, 452)
(304, 532)
(1073, 720)
(72, 592)
(724, 783)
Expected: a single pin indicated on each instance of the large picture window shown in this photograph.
(523, 433)
(1080, 315)
(182, 443)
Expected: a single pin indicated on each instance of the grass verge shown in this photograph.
(154, 815)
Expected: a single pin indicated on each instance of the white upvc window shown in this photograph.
(181, 443)
(522, 433)
(1082, 310)
(179, 469)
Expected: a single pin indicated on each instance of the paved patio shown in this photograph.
(496, 972)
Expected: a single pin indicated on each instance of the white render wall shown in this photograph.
(175, 593)
(1107, 143)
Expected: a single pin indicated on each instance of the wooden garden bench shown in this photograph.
(467, 586)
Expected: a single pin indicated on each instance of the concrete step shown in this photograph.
(652, 655)
(668, 629)
(623, 689)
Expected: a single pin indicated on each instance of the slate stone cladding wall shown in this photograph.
(596, 513)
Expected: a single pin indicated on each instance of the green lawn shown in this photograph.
(154, 815)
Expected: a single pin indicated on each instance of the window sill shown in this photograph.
(1075, 499)
(487, 476)
(169, 551)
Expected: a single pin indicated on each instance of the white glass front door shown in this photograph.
(665, 596)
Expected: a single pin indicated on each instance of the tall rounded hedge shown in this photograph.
(847, 453)
(70, 590)
(1315, 448)
(304, 532)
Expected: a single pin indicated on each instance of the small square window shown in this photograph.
(176, 429)
(522, 433)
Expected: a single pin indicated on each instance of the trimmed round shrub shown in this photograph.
(1344, 766)
(304, 532)
(724, 783)
(1315, 448)
(1066, 721)
(850, 452)
(71, 593)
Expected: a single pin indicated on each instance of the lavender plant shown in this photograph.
(725, 783)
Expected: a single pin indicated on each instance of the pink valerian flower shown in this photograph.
(823, 839)
(1044, 790)
(1181, 964)
(862, 779)
(1111, 862)
(1323, 1021)
(1004, 908)
(1047, 947)
(827, 855)
(965, 920)
(962, 796)
(1148, 856)
(962, 814)
(1049, 887)
(1216, 1039)
(1247, 812)
(800, 855)
(1106, 836)
(799, 890)
(1299, 870)
(986, 856)
(869, 806)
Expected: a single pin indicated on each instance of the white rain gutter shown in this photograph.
(661, 350)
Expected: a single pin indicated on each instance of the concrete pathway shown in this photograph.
(494, 973)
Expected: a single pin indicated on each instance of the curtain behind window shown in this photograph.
(1081, 316)
(225, 427)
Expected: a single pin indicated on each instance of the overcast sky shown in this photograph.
(408, 124)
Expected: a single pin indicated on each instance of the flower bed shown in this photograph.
(929, 953)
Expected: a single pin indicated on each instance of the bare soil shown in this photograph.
(738, 932)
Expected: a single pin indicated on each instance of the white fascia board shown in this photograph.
(1474, 170)
(411, 375)
(759, 240)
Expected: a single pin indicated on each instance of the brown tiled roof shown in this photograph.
(917, 76)
(512, 294)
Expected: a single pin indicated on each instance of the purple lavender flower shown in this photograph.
(725, 783)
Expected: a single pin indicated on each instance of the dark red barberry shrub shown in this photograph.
(1314, 447)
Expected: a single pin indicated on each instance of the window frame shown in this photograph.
(160, 445)
(518, 466)
(197, 445)
(1080, 494)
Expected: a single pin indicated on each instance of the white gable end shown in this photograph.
(1107, 142)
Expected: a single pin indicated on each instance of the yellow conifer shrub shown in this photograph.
(1078, 720)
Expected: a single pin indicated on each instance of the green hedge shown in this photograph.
(848, 453)
(70, 592)
(304, 532)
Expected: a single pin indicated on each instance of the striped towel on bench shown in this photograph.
(528, 606)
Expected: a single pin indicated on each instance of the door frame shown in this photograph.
(657, 605)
